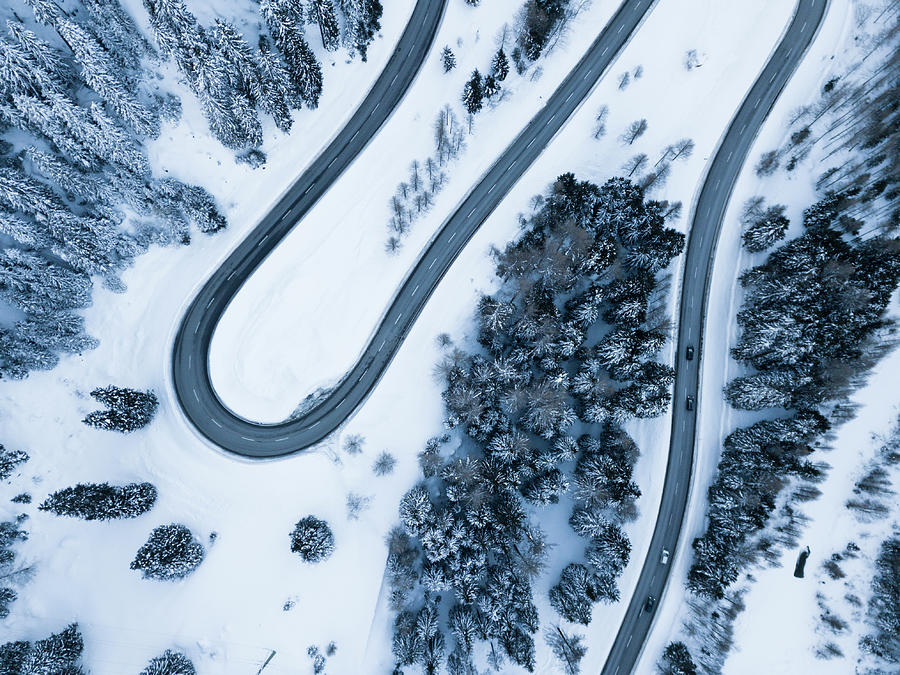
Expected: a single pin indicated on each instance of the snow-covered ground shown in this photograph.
(780, 629)
(228, 615)
(775, 633)
(304, 317)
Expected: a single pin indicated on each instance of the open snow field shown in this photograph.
(302, 320)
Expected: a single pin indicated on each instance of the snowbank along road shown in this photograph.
(190, 366)
(708, 215)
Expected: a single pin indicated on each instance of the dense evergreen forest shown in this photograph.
(80, 96)
(565, 355)
(808, 314)
(813, 322)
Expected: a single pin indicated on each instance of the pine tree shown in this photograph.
(241, 71)
(676, 660)
(285, 21)
(500, 65)
(100, 73)
(70, 178)
(276, 95)
(363, 19)
(28, 66)
(491, 87)
(126, 409)
(9, 460)
(473, 94)
(323, 13)
(448, 59)
(58, 653)
(312, 539)
(169, 663)
(568, 648)
(171, 553)
(308, 75)
(39, 286)
(763, 229)
(116, 29)
(102, 501)
(575, 593)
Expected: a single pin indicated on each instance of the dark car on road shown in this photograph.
(650, 603)
(689, 403)
(689, 353)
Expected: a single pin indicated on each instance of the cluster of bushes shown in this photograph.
(565, 344)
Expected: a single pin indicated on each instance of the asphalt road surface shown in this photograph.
(190, 354)
(190, 359)
(704, 234)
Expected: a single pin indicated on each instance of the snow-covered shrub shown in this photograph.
(356, 504)
(676, 660)
(9, 535)
(102, 501)
(169, 663)
(9, 460)
(384, 464)
(56, 655)
(170, 553)
(126, 409)
(312, 539)
(353, 444)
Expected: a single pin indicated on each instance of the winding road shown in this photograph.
(708, 215)
(190, 357)
(224, 428)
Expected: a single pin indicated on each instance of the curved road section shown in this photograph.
(704, 234)
(190, 367)
(190, 371)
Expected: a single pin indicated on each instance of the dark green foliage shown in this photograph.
(126, 409)
(312, 539)
(169, 663)
(102, 501)
(676, 660)
(171, 553)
